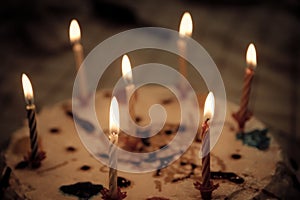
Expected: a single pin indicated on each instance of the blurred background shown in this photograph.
(34, 40)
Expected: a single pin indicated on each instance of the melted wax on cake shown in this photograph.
(256, 138)
(83, 190)
(232, 177)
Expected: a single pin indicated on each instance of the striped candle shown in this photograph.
(28, 93)
(207, 185)
(243, 114)
(206, 155)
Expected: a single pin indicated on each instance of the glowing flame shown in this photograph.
(74, 31)
(114, 117)
(126, 69)
(209, 106)
(251, 56)
(186, 25)
(27, 89)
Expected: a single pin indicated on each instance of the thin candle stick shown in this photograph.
(205, 154)
(35, 155)
(33, 131)
(113, 162)
(113, 148)
(207, 186)
(130, 87)
(185, 30)
(75, 37)
(243, 114)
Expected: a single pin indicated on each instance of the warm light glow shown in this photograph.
(251, 56)
(126, 69)
(209, 106)
(27, 89)
(186, 25)
(114, 121)
(74, 31)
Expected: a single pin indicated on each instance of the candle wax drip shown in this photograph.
(83, 190)
(232, 177)
(256, 138)
(123, 182)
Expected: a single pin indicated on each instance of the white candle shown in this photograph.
(114, 124)
(185, 30)
(130, 87)
(75, 38)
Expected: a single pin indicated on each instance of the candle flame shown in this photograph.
(126, 69)
(186, 25)
(209, 106)
(74, 31)
(251, 56)
(114, 121)
(27, 89)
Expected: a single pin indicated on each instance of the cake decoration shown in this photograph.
(256, 138)
(83, 190)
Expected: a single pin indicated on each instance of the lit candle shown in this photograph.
(75, 38)
(207, 186)
(209, 107)
(127, 75)
(114, 125)
(185, 30)
(243, 114)
(30, 107)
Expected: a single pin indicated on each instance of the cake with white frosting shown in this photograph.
(242, 165)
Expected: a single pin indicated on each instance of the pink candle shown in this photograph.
(113, 149)
(243, 114)
(207, 185)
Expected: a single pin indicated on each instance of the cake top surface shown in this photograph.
(241, 170)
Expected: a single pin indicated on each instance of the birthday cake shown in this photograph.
(242, 165)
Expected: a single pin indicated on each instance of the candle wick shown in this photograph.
(251, 67)
(207, 119)
(75, 42)
(205, 128)
(30, 103)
